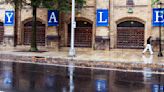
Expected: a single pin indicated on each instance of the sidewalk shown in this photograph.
(115, 58)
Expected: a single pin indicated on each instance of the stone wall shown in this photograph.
(141, 11)
(51, 32)
(8, 30)
(103, 37)
(87, 14)
(102, 33)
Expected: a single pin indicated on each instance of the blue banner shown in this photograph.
(158, 17)
(9, 18)
(53, 18)
(157, 88)
(101, 86)
(102, 17)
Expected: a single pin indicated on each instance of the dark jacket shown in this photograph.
(149, 40)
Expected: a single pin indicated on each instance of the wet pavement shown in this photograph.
(113, 55)
(27, 77)
(123, 59)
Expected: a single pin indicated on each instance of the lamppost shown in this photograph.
(71, 72)
(73, 25)
(159, 79)
(160, 50)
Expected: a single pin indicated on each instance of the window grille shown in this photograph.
(130, 2)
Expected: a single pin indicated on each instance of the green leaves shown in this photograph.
(61, 5)
(50, 4)
(153, 2)
(65, 5)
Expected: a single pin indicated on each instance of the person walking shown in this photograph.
(148, 46)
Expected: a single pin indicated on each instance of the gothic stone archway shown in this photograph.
(40, 33)
(1, 32)
(130, 35)
(83, 34)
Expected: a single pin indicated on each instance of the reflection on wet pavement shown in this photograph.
(147, 60)
(21, 77)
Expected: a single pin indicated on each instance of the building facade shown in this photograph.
(129, 25)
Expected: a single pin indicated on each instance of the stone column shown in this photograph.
(19, 29)
(94, 26)
(112, 23)
(102, 33)
(8, 39)
(148, 26)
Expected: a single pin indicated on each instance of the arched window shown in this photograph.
(1, 32)
(130, 24)
(83, 34)
(37, 22)
(130, 34)
(1, 23)
(40, 33)
(129, 2)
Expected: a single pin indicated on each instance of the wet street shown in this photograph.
(23, 77)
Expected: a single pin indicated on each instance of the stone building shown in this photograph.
(130, 24)
(6, 32)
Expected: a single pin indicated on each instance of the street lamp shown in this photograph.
(73, 25)
(160, 50)
(71, 72)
